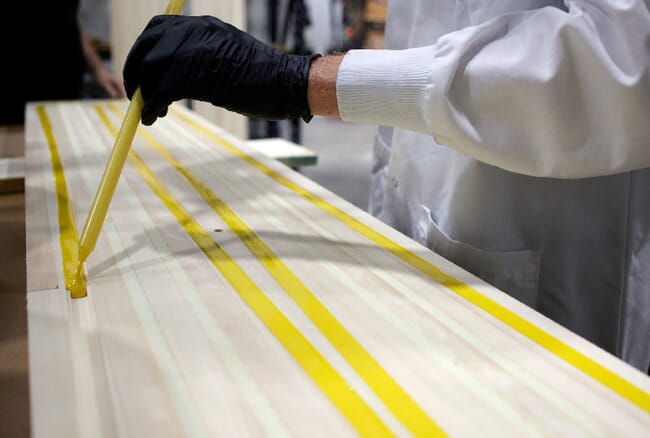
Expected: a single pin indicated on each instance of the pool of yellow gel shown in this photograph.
(77, 285)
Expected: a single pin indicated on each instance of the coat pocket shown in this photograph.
(513, 272)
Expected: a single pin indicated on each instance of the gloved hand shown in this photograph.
(203, 58)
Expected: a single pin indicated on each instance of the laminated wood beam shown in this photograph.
(231, 296)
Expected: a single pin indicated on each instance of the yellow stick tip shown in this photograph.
(77, 286)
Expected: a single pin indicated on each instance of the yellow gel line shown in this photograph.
(362, 418)
(405, 409)
(68, 235)
(110, 177)
(564, 351)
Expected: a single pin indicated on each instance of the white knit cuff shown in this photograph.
(385, 87)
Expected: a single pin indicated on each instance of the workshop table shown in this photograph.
(228, 295)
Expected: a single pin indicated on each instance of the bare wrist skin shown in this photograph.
(321, 91)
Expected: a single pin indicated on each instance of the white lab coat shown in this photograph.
(520, 150)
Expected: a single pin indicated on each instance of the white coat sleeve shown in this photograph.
(545, 92)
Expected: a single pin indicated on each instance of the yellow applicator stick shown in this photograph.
(97, 213)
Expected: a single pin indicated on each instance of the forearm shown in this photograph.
(100, 72)
(93, 60)
(321, 91)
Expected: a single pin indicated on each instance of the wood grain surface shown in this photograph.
(231, 296)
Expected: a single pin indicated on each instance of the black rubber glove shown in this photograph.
(203, 58)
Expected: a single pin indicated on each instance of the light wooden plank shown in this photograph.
(241, 180)
(53, 409)
(166, 344)
(124, 328)
(227, 307)
(285, 151)
(68, 394)
(40, 222)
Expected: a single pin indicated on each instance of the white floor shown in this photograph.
(344, 157)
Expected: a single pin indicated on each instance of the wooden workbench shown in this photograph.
(230, 296)
(14, 379)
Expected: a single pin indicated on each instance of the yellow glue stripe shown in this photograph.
(68, 235)
(330, 382)
(389, 392)
(561, 349)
